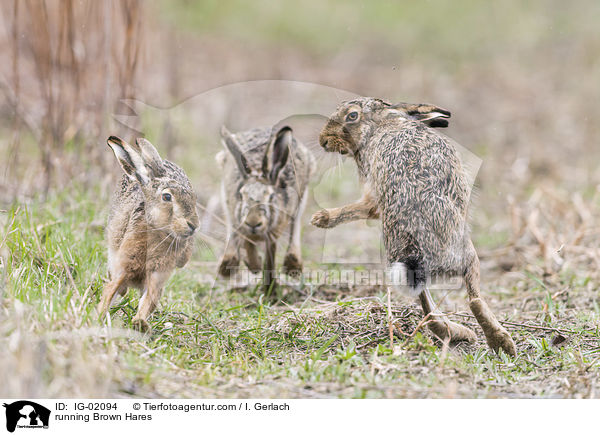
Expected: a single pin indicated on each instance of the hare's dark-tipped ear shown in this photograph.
(150, 156)
(429, 114)
(233, 147)
(277, 153)
(130, 159)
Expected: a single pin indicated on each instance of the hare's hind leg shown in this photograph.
(149, 300)
(496, 336)
(269, 272)
(440, 325)
(117, 285)
(252, 260)
(292, 263)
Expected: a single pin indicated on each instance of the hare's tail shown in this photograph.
(401, 278)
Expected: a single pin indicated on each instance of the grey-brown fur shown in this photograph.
(415, 182)
(265, 179)
(150, 226)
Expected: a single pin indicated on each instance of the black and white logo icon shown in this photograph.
(25, 414)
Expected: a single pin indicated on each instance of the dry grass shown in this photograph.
(70, 64)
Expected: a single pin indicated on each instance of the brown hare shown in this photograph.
(264, 188)
(150, 227)
(415, 182)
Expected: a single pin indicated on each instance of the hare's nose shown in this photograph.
(254, 226)
(191, 226)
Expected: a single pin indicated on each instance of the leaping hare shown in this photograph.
(415, 182)
(150, 227)
(265, 180)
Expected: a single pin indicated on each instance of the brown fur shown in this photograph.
(148, 235)
(266, 175)
(415, 180)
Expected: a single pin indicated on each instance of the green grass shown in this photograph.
(232, 343)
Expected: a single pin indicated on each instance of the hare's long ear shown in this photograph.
(429, 114)
(150, 156)
(234, 149)
(276, 154)
(130, 159)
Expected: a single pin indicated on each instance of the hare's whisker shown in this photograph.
(160, 243)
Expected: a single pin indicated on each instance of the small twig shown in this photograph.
(525, 325)
(590, 365)
(151, 351)
(424, 322)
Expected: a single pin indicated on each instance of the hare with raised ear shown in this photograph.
(415, 182)
(150, 226)
(264, 188)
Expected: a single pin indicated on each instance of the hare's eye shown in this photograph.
(352, 116)
(167, 197)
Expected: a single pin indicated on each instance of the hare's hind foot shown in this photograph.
(445, 329)
(292, 265)
(140, 324)
(112, 289)
(496, 335)
(440, 325)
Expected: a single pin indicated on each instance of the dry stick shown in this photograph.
(525, 325)
(590, 365)
(424, 322)
(174, 366)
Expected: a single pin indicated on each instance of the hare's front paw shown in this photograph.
(292, 265)
(321, 219)
(254, 264)
(228, 266)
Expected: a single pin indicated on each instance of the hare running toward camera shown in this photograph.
(265, 181)
(150, 227)
(415, 181)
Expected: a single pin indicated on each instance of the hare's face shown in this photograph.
(170, 207)
(257, 209)
(351, 125)
(169, 204)
(258, 203)
(345, 128)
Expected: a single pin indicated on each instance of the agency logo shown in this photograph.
(24, 414)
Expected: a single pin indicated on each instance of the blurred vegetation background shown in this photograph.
(520, 78)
